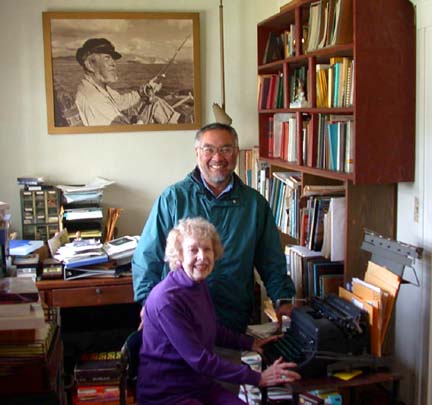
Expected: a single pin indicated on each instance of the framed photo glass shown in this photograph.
(113, 72)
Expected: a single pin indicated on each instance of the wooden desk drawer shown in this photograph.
(92, 296)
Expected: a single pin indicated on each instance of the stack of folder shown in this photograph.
(376, 294)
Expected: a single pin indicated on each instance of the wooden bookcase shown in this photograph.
(382, 110)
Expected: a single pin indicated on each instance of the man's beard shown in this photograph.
(218, 179)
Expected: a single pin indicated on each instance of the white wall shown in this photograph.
(412, 315)
(141, 163)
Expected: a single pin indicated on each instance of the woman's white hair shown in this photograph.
(197, 228)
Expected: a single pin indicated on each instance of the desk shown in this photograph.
(97, 314)
(332, 383)
(86, 292)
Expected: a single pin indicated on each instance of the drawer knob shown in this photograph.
(98, 291)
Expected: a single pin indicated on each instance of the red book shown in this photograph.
(270, 136)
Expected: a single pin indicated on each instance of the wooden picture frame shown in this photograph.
(118, 71)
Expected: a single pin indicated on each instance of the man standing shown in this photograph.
(98, 103)
(243, 220)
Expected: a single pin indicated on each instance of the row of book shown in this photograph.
(335, 83)
(270, 91)
(283, 197)
(248, 166)
(330, 148)
(313, 275)
(323, 224)
(330, 23)
(282, 137)
(335, 145)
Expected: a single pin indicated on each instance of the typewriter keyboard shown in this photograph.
(289, 347)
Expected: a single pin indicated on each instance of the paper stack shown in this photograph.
(121, 249)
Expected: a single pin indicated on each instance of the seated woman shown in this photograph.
(180, 330)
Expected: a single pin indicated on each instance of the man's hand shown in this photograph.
(283, 309)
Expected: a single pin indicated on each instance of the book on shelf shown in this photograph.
(297, 257)
(313, 26)
(322, 72)
(342, 32)
(334, 230)
(277, 120)
(337, 213)
(323, 23)
(322, 270)
(274, 49)
(321, 189)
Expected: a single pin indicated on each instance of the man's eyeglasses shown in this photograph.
(226, 151)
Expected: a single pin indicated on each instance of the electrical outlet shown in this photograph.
(416, 209)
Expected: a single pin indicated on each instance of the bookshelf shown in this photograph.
(376, 95)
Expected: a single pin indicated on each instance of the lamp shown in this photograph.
(219, 110)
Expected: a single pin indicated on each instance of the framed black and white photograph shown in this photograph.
(114, 72)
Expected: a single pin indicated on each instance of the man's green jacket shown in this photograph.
(247, 229)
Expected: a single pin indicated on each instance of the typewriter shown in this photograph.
(323, 332)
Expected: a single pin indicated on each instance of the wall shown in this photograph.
(412, 315)
(141, 163)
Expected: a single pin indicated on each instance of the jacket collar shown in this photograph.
(196, 176)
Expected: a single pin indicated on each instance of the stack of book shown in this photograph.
(27, 265)
(32, 183)
(81, 253)
(25, 336)
(97, 379)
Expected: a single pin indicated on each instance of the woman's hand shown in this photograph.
(278, 373)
